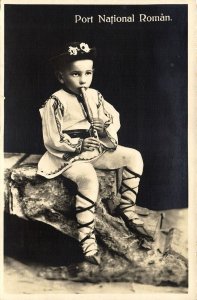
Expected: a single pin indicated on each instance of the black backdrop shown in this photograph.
(141, 69)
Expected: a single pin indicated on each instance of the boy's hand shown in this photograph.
(89, 144)
(99, 125)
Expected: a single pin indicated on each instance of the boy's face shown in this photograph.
(77, 74)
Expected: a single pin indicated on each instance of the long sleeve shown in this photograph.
(57, 142)
(111, 119)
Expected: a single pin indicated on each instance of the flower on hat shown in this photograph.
(81, 49)
(84, 47)
(73, 50)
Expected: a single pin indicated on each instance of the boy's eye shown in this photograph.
(75, 74)
(89, 72)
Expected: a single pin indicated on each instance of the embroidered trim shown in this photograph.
(69, 162)
(108, 115)
(57, 105)
(82, 159)
(69, 155)
(62, 167)
(107, 123)
(112, 140)
(79, 146)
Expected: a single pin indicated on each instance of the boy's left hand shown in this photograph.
(99, 125)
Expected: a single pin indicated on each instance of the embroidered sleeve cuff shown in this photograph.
(79, 146)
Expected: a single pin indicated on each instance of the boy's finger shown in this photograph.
(98, 127)
(97, 123)
(94, 144)
(89, 149)
(95, 119)
(93, 140)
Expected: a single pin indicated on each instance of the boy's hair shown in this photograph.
(73, 51)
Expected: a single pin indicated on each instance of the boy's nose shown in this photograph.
(82, 80)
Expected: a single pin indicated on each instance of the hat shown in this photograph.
(73, 51)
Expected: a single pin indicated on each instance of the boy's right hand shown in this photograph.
(90, 143)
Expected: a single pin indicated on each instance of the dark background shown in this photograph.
(141, 69)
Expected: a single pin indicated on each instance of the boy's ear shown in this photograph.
(59, 76)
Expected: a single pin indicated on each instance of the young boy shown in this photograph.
(80, 134)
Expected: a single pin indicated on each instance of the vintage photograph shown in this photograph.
(95, 148)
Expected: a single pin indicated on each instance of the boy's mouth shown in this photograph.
(82, 88)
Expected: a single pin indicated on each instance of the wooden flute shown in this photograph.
(89, 113)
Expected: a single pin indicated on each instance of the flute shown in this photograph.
(89, 114)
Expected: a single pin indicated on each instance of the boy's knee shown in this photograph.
(87, 177)
(136, 160)
(82, 174)
(133, 154)
(138, 156)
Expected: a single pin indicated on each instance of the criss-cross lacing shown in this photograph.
(87, 237)
(126, 208)
(128, 191)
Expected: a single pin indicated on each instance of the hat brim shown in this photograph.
(66, 57)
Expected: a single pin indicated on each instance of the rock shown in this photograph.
(13, 159)
(175, 243)
(59, 192)
(124, 255)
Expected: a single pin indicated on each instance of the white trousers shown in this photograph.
(84, 175)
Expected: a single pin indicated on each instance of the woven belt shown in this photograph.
(78, 133)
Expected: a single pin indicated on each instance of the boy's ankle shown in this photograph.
(93, 259)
